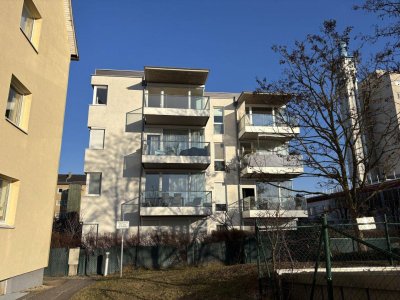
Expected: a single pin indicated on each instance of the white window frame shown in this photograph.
(219, 159)
(219, 123)
(90, 137)
(88, 175)
(95, 88)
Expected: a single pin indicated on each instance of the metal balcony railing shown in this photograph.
(177, 101)
(176, 199)
(275, 203)
(176, 148)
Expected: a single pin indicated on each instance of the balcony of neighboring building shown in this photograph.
(176, 203)
(274, 207)
(170, 154)
(270, 164)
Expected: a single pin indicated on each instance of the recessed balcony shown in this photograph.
(275, 207)
(175, 203)
(271, 166)
(162, 154)
(252, 126)
(164, 109)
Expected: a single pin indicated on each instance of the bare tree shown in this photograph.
(388, 32)
(344, 135)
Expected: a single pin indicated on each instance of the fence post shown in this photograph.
(389, 247)
(329, 285)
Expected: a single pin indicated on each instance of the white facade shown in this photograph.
(177, 158)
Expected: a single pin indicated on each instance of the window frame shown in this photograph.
(215, 108)
(90, 137)
(88, 178)
(23, 114)
(219, 159)
(95, 88)
(33, 14)
(7, 200)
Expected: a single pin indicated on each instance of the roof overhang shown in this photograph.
(69, 23)
(175, 75)
(263, 98)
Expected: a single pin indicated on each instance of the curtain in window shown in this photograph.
(153, 144)
(4, 184)
(197, 186)
(197, 138)
(175, 141)
(14, 106)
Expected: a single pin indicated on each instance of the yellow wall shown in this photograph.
(32, 157)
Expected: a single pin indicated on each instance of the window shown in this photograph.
(220, 207)
(100, 95)
(4, 195)
(30, 22)
(60, 191)
(94, 183)
(96, 139)
(218, 120)
(219, 162)
(17, 109)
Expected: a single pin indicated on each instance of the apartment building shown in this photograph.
(38, 41)
(382, 135)
(165, 154)
(70, 189)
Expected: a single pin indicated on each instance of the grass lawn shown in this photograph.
(205, 282)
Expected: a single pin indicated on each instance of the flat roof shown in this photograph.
(69, 23)
(267, 98)
(175, 75)
(118, 73)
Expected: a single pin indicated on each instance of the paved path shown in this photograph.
(63, 290)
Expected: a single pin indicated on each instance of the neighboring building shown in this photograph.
(70, 189)
(381, 198)
(38, 44)
(382, 136)
(166, 155)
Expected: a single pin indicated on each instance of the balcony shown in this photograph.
(274, 207)
(175, 203)
(175, 155)
(163, 109)
(272, 165)
(251, 126)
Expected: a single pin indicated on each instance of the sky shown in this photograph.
(232, 38)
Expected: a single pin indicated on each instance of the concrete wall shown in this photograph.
(30, 156)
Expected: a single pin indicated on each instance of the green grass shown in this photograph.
(206, 282)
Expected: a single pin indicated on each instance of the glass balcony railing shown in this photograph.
(177, 101)
(176, 148)
(176, 199)
(275, 203)
(270, 159)
(266, 120)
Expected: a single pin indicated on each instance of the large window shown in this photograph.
(100, 95)
(218, 120)
(219, 160)
(30, 21)
(94, 183)
(17, 109)
(96, 138)
(4, 195)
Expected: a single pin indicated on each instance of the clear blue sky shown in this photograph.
(232, 38)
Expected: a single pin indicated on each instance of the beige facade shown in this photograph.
(39, 42)
(382, 131)
(167, 155)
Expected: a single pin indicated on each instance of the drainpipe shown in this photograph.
(235, 105)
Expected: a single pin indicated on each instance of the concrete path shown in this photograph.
(63, 289)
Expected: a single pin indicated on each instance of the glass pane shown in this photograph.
(152, 183)
(218, 150)
(154, 100)
(27, 22)
(96, 139)
(262, 119)
(153, 145)
(219, 165)
(14, 106)
(197, 102)
(4, 186)
(101, 95)
(176, 101)
(218, 128)
(94, 183)
(218, 115)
